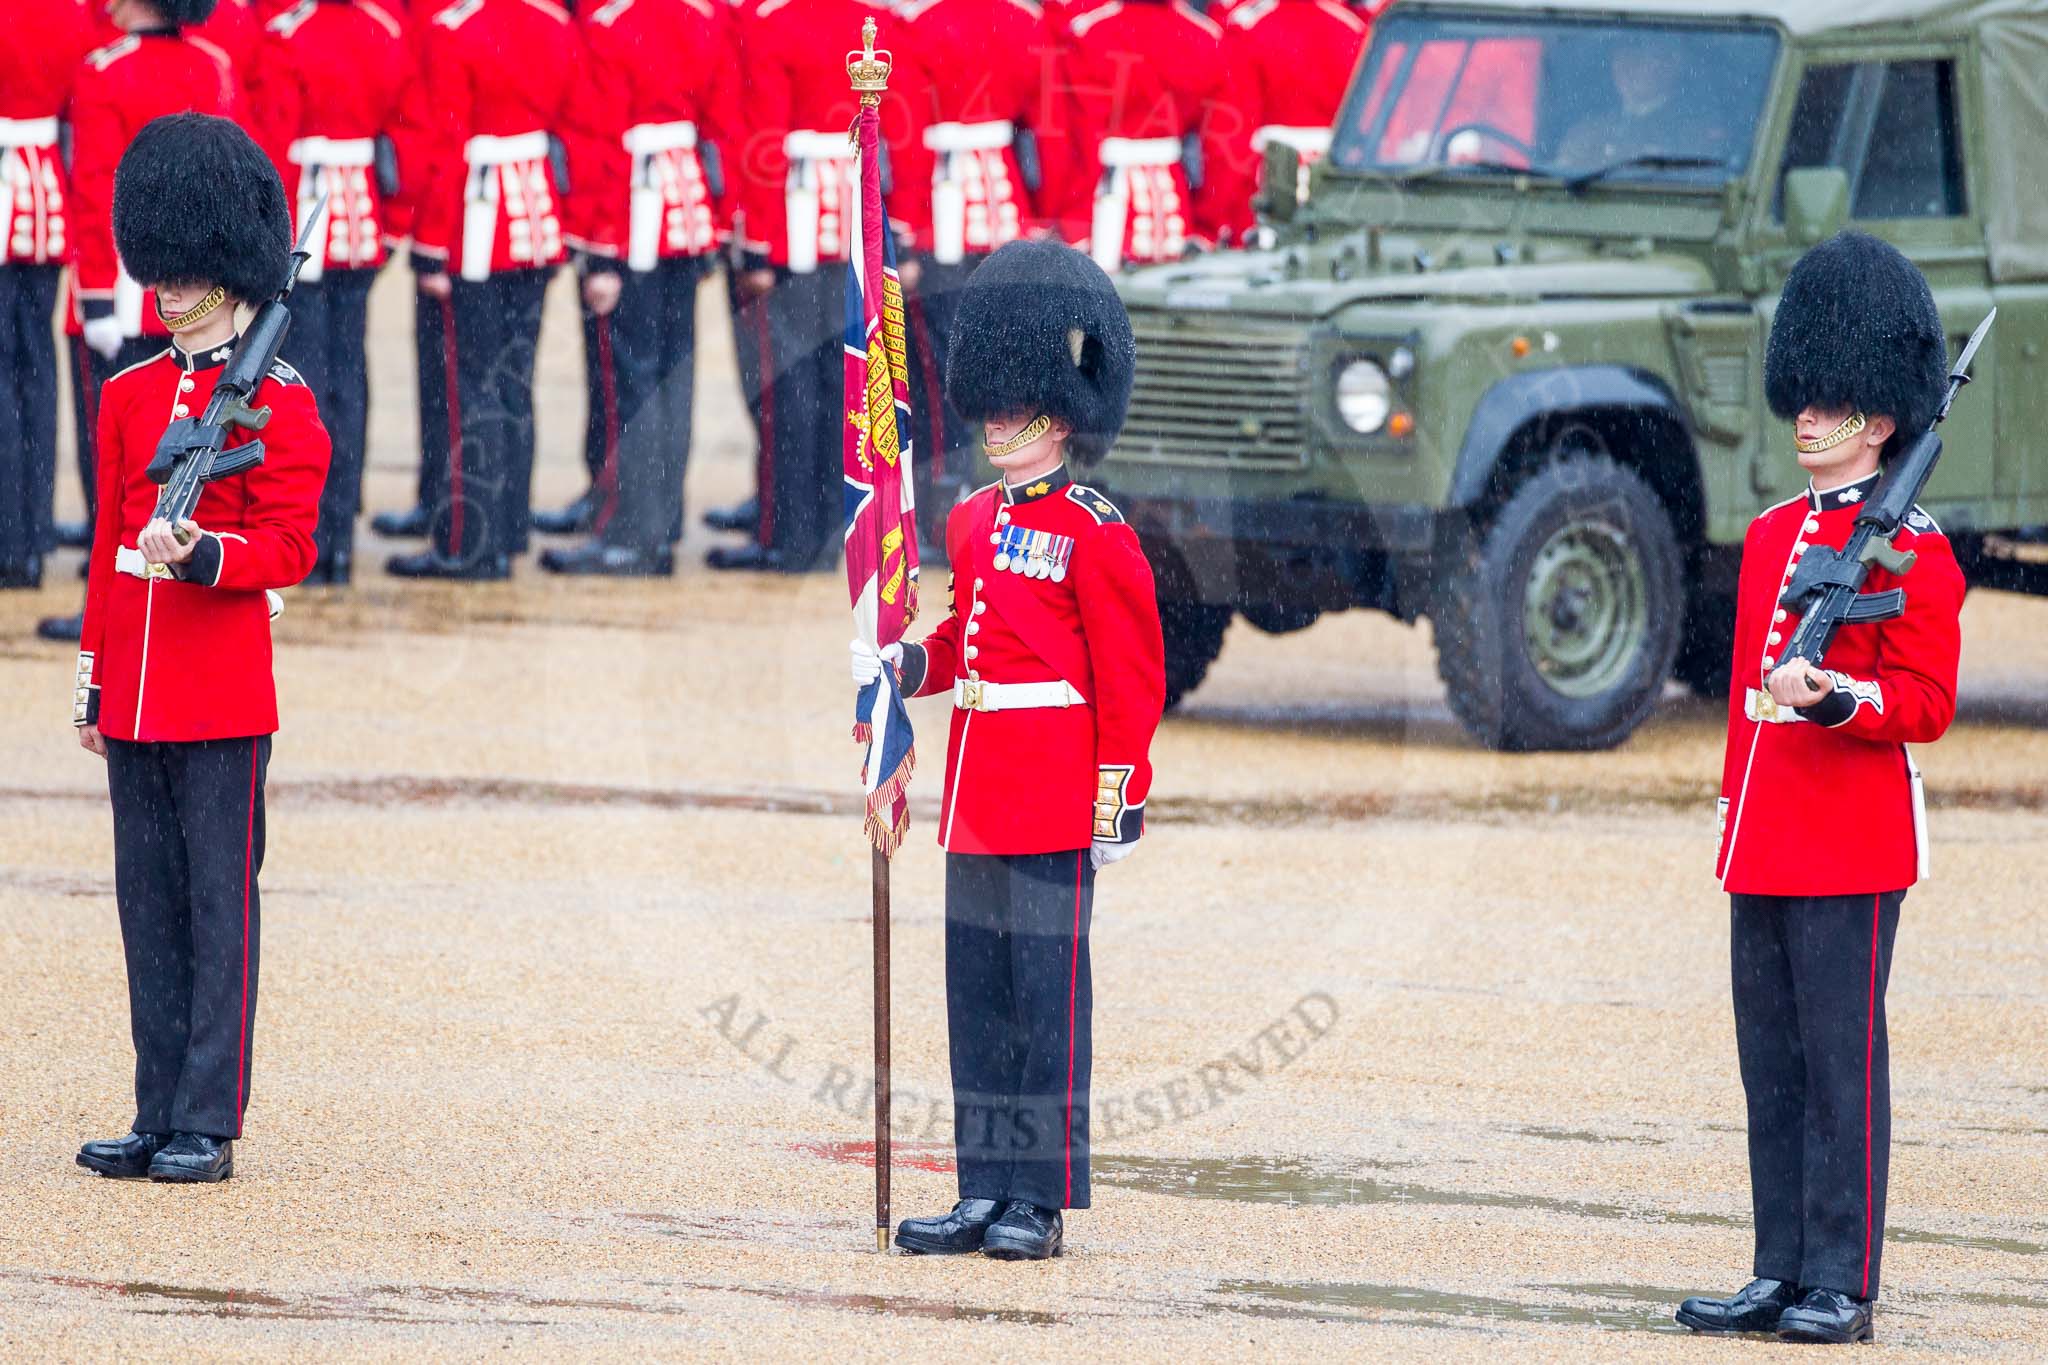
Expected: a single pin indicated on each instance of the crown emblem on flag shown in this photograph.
(867, 68)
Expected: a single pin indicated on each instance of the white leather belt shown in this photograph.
(28, 132)
(486, 150)
(1763, 708)
(334, 151)
(970, 137)
(129, 560)
(807, 145)
(1313, 142)
(1141, 151)
(972, 695)
(652, 139)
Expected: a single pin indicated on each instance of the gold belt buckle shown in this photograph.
(159, 571)
(970, 695)
(1763, 707)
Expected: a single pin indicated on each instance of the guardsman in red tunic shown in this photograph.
(1286, 64)
(156, 67)
(987, 67)
(46, 40)
(489, 108)
(174, 675)
(323, 99)
(1137, 79)
(1052, 657)
(1822, 822)
(796, 192)
(649, 128)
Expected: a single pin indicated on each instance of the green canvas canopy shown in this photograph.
(2011, 55)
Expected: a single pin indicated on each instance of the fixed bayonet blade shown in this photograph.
(305, 243)
(1962, 369)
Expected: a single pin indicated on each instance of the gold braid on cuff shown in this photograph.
(196, 313)
(1852, 427)
(1039, 426)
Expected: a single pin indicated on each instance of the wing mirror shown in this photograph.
(1816, 202)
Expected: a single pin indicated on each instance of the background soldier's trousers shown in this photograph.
(641, 362)
(188, 847)
(1018, 1006)
(28, 411)
(484, 504)
(1809, 975)
(330, 322)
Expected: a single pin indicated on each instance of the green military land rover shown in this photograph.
(1499, 360)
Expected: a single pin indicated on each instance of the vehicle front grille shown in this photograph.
(1230, 394)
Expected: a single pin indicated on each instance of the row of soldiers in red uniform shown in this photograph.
(675, 133)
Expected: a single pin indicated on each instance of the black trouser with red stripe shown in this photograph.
(188, 846)
(326, 344)
(28, 410)
(643, 374)
(947, 444)
(803, 479)
(1809, 974)
(483, 508)
(1018, 1006)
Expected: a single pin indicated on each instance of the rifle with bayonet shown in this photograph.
(193, 451)
(1827, 588)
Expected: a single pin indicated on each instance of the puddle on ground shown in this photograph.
(935, 1157)
(1398, 1303)
(1965, 1241)
(1575, 1135)
(887, 1304)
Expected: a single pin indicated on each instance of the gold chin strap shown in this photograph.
(1039, 426)
(196, 313)
(1852, 427)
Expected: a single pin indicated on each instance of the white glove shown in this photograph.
(868, 661)
(1102, 852)
(104, 336)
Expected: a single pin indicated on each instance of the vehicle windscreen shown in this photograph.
(1667, 103)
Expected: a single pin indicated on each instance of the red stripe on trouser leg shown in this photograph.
(248, 884)
(1869, 1054)
(608, 385)
(764, 479)
(1073, 988)
(452, 382)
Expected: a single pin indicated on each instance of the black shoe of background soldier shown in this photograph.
(1025, 1232)
(615, 561)
(1828, 1315)
(402, 525)
(950, 1234)
(123, 1158)
(1753, 1308)
(62, 628)
(757, 558)
(741, 516)
(73, 535)
(22, 573)
(571, 520)
(193, 1159)
(427, 564)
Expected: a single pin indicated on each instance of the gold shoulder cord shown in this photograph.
(196, 313)
(1039, 426)
(1852, 426)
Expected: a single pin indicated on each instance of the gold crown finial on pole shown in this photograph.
(867, 68)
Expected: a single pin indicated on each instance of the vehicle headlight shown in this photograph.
(1365, 396)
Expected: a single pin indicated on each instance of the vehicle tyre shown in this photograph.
(1194, 637)
(1707, 646)
(1558, 616)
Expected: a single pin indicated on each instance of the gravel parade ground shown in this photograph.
(1402, 1047)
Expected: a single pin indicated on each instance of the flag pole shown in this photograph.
(882, 1097)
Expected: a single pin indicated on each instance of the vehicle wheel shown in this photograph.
(1558, 616)
(1707, 646)
(1194, 637)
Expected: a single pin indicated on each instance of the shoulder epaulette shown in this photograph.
(1094, 504)
(287, 21)
(1080, 24)
(457, 14)
(283, 373)
(1921, 523)
(100, 58)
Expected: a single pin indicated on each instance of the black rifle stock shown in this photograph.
(1827, 588)
(193, 451)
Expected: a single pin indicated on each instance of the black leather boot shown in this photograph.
(402, 525)
(754, 558)
(573, 519)
(741, 516)
(62, 628)
(1828, 1315)
(194, 1159)
(427, 564)
(615, 561)
(950, 1234)
(1025, 1232)
(1753, 1308)
(123, 1158)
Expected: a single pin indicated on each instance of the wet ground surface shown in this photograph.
(563, 1040)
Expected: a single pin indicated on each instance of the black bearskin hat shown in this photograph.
(1041, 330)
(1857, 328)
(185, 13)
(195, 199)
